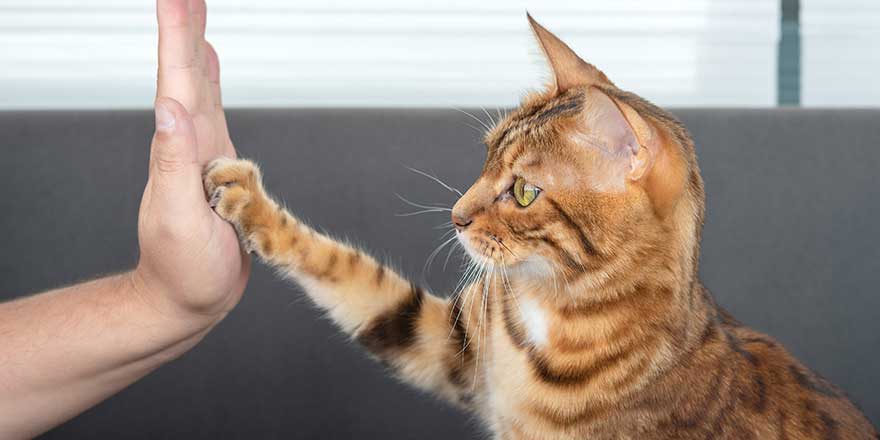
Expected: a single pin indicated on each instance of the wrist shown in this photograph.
(159, 299)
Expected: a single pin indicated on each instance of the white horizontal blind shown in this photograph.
(840, 52)
(101, 53)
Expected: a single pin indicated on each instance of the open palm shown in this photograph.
(188, 253)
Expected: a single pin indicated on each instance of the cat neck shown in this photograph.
(663, 299)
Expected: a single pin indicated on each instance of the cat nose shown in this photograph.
(460, 221)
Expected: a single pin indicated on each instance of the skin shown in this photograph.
(66, 350)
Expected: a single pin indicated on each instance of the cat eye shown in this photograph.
(525, 193)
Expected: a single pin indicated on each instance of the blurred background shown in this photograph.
(450, 53)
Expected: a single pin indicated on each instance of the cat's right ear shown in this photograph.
(569, 70)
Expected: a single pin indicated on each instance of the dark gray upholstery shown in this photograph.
(791, 247)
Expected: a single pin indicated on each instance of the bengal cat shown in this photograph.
(590, 321)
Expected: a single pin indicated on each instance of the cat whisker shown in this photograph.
(494, 122)
(468, 292)
(472, 297)
(475, 118)
(420, 205)
(462, 283)
(466, 280)
(450, 231)
(483, 306)
(444, 225)
(436, 179)
(456, 299)
(477, 129)
(424, 211)
(504, 247)
(501, 114)
(457, 295)
(506, 279)
(452, 248)
(436, 251)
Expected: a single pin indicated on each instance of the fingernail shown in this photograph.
(164, 118)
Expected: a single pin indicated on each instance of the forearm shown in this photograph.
(62, 352)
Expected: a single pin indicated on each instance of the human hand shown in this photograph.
(191, 264)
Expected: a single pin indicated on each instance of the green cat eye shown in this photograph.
(525, 193)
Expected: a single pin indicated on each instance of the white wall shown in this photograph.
(101, 53)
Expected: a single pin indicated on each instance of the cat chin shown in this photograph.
(534, 267)
(474, 255)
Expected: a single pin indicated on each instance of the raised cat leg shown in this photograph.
(424, 337)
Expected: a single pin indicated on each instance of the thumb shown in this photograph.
(174, 152)
(175, 172)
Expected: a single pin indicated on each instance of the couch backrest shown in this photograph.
(791, 246)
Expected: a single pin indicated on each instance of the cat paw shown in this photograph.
(231, 186)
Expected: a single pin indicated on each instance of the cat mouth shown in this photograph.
(485, 248)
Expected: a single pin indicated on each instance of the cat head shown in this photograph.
(583, 180)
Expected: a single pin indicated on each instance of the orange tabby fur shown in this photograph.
(593, 323)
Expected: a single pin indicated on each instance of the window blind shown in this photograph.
(840, 56)
(451, 53)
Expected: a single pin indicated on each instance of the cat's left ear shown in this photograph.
(622, 131)
(569, 70)
(638, 150)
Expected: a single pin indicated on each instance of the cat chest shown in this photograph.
(513, 389)
(518, 394)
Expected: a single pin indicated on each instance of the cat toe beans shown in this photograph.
(224, 171)
(230, 203)
(235, 191)
(230, 186)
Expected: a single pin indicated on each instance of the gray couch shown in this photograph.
(791, 247)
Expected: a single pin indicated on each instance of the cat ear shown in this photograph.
(620, 131)
(569, 70)
(633, 150)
